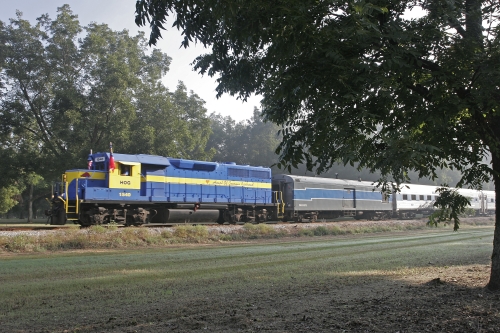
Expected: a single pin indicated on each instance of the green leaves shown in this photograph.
(9, 196)
(361, 82)
(344, 78)
(450, 206)
(251, 142)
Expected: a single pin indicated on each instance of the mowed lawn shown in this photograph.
(131, 290)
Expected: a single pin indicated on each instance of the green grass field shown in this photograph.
(133, 289)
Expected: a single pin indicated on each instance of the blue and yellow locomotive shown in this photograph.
(140, 189)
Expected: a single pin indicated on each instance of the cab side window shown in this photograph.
(124, 170)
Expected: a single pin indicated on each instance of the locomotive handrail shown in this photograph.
(62, 199)
(66, 202)
(278, 198)
(282, 202)
(77, 204)
(66, 205)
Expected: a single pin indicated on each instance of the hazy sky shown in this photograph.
(119, 15)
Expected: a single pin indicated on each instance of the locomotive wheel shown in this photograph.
(62, 217)
(227, 216)
(58, 216)
(84, 220)
(222, 218)
(83, 225)
(129, 221)
(230, 218)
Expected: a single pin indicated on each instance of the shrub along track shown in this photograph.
(341, 222)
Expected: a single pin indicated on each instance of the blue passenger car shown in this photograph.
(313, 198)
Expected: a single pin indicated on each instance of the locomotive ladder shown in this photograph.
(280, 204)
(72, 208)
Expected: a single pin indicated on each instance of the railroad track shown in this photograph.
(32, 227)
(40, 226)
(24, 227)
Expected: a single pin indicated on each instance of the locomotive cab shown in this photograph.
(127, 176)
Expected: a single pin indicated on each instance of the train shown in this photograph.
(139, 189)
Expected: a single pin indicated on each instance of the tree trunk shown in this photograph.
(30, 204)
(494, 283)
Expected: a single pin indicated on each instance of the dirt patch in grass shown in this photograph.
(428, 300)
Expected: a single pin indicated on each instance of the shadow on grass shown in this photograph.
(425, 299)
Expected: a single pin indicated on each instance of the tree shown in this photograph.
(32, 179)
(263, 139)
(71, 95)
(247, 142)
(67, 89)
(191, 111)
(224, 139)
(20, 156)
(8, 195)
(171, 124)
(360, 81)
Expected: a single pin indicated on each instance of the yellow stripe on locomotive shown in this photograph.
(205, 181)
(71, 175)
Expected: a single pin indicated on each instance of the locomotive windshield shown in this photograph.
(99, 166)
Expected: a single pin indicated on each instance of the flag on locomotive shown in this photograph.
(89, 160)
(111, 158)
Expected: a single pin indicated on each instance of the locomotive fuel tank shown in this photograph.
(190, 215)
